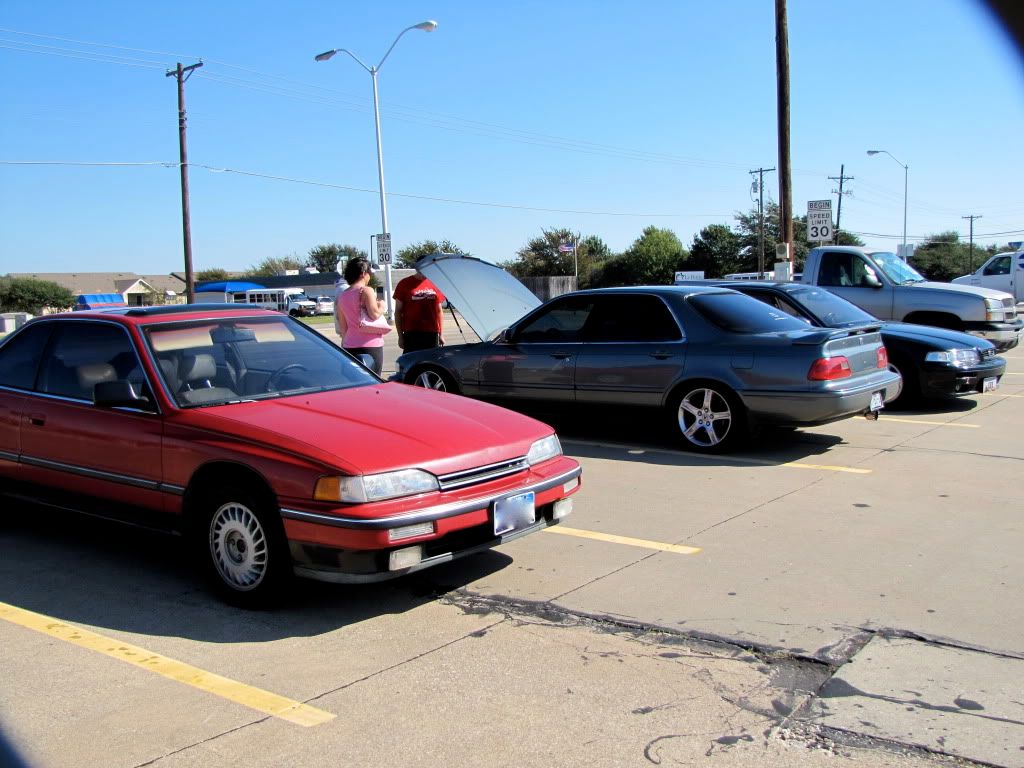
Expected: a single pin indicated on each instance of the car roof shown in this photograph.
(163, 313)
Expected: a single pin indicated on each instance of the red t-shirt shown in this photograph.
(420, 299)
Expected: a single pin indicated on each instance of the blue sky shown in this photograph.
(603, 117)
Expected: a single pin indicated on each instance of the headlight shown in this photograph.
(545, 449)
(958, 357)
(994, 310)
(363, 488)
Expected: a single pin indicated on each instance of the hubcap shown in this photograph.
(704, 417)
(431, 380)
(238, 546)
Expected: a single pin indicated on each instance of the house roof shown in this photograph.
(105, 282)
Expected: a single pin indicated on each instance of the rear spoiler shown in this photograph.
(831, 334)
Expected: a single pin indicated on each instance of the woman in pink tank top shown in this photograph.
(346, 313)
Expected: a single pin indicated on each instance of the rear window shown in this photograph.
(737, 313)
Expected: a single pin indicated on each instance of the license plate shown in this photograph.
(514, 513)
(991, 384)
(877, 403)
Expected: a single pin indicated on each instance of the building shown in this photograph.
(137, 290)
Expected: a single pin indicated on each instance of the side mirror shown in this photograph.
(872, 281)
(119, 394)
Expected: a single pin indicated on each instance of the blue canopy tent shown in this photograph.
(99, 301)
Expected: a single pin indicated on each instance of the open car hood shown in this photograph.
(487, 296)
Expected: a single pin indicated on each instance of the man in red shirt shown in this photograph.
(418, 320)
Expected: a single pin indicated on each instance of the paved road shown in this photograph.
(850, 592)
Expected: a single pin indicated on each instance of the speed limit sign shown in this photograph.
(819, 221)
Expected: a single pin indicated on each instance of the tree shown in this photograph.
(943, 256)
(211, 275)
(746, 228)
(274, 266)
(552, 255)
(715, 251)
(325, 258)
(407, 257)
(25, 294)
(652, 259)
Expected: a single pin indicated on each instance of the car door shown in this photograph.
(633, 351)
(998, 274)
(109, 458)
(849, 275)
(19, 364)
(537, 360)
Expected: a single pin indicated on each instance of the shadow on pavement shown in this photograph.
(93, 572)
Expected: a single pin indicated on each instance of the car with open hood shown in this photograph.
(935, 363)
(715, 362)
(274, 452)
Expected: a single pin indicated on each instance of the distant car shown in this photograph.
(714, 361)
(272, 450)
(324, 305)
(934, 362)
(300, 305)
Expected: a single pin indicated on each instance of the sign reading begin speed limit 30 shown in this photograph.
(819, 221)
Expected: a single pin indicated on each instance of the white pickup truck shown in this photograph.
(881, 283)
(1003, 272)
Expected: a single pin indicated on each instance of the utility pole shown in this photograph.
(760, 219)
(785, 169)
(970, 257)
(181, 74)
(839, 214)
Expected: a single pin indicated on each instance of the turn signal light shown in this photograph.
(830, 368)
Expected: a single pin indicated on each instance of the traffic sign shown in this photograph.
(384, 248)
(819, 221)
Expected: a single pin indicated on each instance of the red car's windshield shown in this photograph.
(217, 361)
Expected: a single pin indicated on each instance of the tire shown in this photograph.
(708, 417)
(433, 378)
(241, 548)
(293, 312)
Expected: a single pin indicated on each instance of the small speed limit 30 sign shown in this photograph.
(819, 221)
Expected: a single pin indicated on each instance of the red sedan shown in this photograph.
(274, 451)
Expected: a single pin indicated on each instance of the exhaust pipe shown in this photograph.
(871, 415)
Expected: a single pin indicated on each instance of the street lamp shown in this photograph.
(426, 26)
(906, 170)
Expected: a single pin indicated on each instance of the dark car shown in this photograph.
(934, 362)
(714, 361)
(274, 451)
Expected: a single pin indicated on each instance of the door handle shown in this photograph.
(659, 355)
(561, 355)
(37, 419)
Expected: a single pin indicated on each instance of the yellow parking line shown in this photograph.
(628, 541)
(997, 394)
(246, 695)
(934, 423)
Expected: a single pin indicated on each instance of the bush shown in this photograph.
(24, 294)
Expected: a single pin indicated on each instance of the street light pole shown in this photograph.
(426, 26)
(906, 173)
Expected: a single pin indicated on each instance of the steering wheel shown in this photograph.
(272, 380)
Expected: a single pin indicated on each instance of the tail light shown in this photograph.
(830, 368)
(883, 358)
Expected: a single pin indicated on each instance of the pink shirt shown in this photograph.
(349, 302)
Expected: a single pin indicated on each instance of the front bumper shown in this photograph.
(951, 381)
(1004, 336)
(336, 548)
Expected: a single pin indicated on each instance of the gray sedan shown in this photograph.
(716, 362)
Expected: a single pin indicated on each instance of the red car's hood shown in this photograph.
(382, 427)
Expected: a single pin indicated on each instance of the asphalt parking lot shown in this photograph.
(850, 592)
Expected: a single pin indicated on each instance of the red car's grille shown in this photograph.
(482, 474)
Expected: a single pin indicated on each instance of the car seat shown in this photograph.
(199, 372)
(91, 374)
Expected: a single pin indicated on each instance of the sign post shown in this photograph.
(819, 221)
